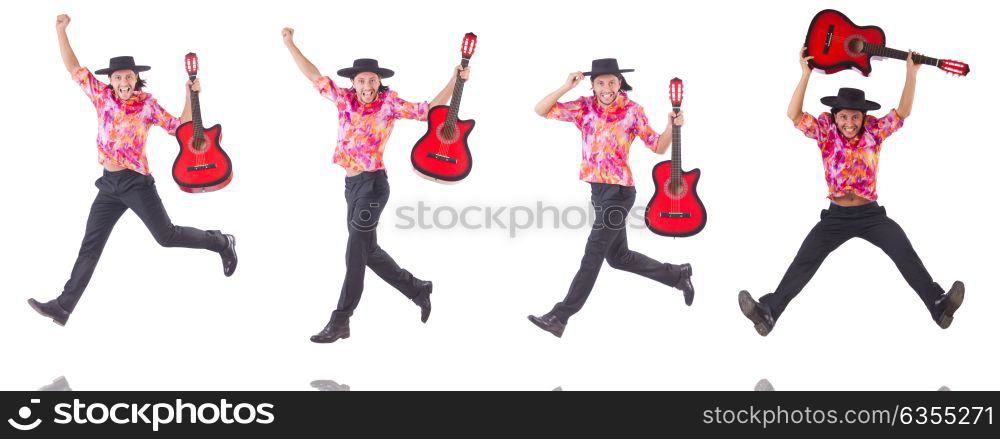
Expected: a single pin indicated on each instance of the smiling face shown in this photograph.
(123, 82)
(366, 84)
(606, 88)
(849, 122)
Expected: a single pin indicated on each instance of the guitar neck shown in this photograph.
(675, 157)
(877, 50)
(196, 111)
(456, 96)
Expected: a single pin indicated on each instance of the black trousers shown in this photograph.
(607, 241)
(367, 194)
(839, 224)
(118, 192)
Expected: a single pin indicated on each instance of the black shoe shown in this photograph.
(335, 330)
(949, 303)
(423, 300)
(229, 255)
(760, 316)
(550, 323)
(50, 309)
(685, 284)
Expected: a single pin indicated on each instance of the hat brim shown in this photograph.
(607, 72)
(350, 72)
(108, 71)
(835, 102)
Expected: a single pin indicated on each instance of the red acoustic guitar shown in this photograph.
(442, 154)
(675, 209)
(201, 164)
(836, 44)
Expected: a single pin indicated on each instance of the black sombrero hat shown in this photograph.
(121, 63)
(850, 99)
(605, 66)
(365, 65)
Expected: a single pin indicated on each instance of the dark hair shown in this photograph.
(624, 87)
(139, 82)
(381, 87)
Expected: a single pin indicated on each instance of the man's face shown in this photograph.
(849, 122)
(123, 82)
(606, 88)
(366, 84)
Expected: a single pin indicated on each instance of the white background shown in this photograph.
(161, 319)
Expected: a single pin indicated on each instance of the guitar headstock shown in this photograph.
(954, 67)
(469, 45)
(191, 64)
(676, 92)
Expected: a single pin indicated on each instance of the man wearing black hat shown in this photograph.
(850, 141)
(609, 122)
(125, 114)
(367, 112)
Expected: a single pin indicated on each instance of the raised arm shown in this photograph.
(307, 68)
(543, 106)
(68, 57)
(909, 88)
(189, 88)
(445, 93)
(795, 106)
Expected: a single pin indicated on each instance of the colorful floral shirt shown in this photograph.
(122, 126)
(608, 133)
(365, 128)
(851, 165)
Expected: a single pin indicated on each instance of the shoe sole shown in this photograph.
(954, 302)
(542, 326)
(325, 341)
(747, 306)
(232, 245)
(690, 275)
(39, 311)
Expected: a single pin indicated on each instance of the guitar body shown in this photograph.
(445, 158)
(676, 214)
(201, 170)
(833, 42)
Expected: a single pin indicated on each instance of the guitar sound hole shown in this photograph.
(675, 189)
(447, 134)
(854, 45)
(198, 145)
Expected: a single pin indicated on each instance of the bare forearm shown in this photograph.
(445, 93)
(305, 66)
(543, 106)
(666, 138)
(68, 57)
(906, 100)
(186, 114)
(798, 98)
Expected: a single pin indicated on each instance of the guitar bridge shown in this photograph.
(201, 167)
(441, 157)
(675, 215)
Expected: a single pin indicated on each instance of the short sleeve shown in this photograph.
(571, 111)
(402, 109)
(159, 116)
(90, 85)
(814, 128)
(642, 130)
(328, 89)
(883, 127)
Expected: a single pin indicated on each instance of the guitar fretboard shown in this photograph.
(886, 52)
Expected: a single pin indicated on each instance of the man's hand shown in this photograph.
(912, 66)
(572, 80)
(678, 119)
(804, 62)
(287, 34)
(463, 72)
(194, 86)
(62, 21)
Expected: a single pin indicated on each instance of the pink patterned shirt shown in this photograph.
(122, 126)
(364, 128)
(608, 133)
(851, 165)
